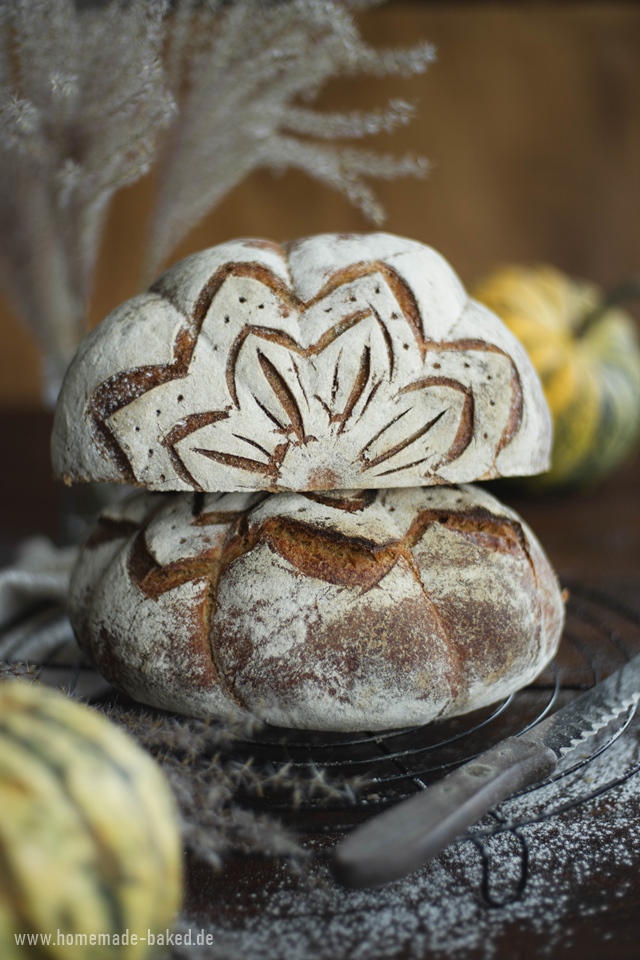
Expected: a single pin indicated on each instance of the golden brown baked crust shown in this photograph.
(340, 611)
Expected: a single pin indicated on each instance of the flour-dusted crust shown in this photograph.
(347, 610)
(332, 362)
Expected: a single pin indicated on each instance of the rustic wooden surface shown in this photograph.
(591, 902)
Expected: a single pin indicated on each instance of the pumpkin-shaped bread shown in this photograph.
(91, 851)
(345, 610)
(332, 362)
(588, 357)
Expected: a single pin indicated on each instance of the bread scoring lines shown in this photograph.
(301, 384)
(369, 561)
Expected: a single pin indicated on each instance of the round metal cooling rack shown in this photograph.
(365, 772)
(385, 767)
(600, 635)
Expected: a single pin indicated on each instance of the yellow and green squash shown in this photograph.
(587, 355)
(89, 842)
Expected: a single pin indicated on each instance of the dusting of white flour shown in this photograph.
(578, 856)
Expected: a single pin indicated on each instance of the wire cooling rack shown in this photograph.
(600, 635)
(374, 770)
(385, 768)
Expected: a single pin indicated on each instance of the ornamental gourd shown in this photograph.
(88, 837)
(587, 355)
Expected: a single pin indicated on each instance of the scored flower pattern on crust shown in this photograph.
(270, 390)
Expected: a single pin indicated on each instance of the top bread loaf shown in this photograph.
(337, 361)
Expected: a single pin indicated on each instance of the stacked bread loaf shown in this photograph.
(305, 421)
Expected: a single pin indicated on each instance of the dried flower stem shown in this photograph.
(242, 108)
(82, 101)
(217, 792)
(92, 95)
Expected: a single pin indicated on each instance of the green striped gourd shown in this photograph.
(588, 358)
(88, 836)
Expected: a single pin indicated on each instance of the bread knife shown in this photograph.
(404, 837)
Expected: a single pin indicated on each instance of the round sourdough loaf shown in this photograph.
(339, 361)
(347, 610)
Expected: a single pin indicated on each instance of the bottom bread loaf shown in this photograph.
(346, 610)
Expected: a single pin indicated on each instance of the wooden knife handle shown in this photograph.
(404, 837)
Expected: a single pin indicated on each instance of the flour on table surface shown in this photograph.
(577, 857)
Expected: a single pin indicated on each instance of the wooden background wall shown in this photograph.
(531, 120)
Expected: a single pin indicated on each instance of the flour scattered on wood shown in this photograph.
(578, 862)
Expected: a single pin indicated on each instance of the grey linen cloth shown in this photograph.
(34, 625)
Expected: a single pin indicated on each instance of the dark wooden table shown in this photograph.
(581, 867)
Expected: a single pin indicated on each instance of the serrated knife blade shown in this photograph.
(404, 837)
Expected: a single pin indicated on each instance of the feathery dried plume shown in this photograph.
(243, 75)
(82, 100)
(24, 671)
(91, 94)
(221, 790)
